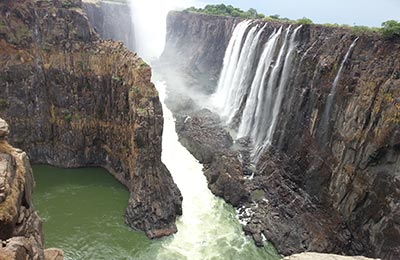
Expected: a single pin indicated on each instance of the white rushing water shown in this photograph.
(276, 99)
(208, 228)
(265, 91)
(149, 18)
(230, 64)
(257, 89)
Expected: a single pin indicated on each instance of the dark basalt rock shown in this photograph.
(225, 178)
(201, 133)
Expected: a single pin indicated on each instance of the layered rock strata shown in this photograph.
(73, 100)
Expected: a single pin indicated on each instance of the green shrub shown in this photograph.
(226, 10)
(278, 18)
(360, 30)
(304, 20)
(391, 29)
(275, 16)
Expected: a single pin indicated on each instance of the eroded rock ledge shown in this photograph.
(73, 100)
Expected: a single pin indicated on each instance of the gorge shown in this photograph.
(314, 116)
(296, 126)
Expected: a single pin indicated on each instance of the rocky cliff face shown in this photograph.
(20, 227)
(73, 100)
(111, 20)
(326, 183)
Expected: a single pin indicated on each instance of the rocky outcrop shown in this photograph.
(53, 254)
(204, 143)
(326, 184)
(73, 100)
(21, 234)
(111, 20)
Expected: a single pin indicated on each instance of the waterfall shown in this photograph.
(329, 103)
(230, 64)
(263, 67)
(267, 112)
(265, 91)
(265, 103)
(287, 68)
(242, 74)
(149, 18)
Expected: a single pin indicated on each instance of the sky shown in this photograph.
(353, 12)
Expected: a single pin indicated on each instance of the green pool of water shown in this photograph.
(83, 213)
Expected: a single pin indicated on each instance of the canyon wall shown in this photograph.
(72, 100)
(329, 182)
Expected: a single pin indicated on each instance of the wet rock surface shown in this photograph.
(270, 204)
(202, 132)
(73, 100)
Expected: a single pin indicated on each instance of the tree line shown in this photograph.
(389, 29)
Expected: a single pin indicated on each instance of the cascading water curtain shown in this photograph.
(264, 90)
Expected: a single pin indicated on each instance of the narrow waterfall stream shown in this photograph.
(332, 95)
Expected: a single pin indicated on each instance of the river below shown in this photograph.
(83, 213)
